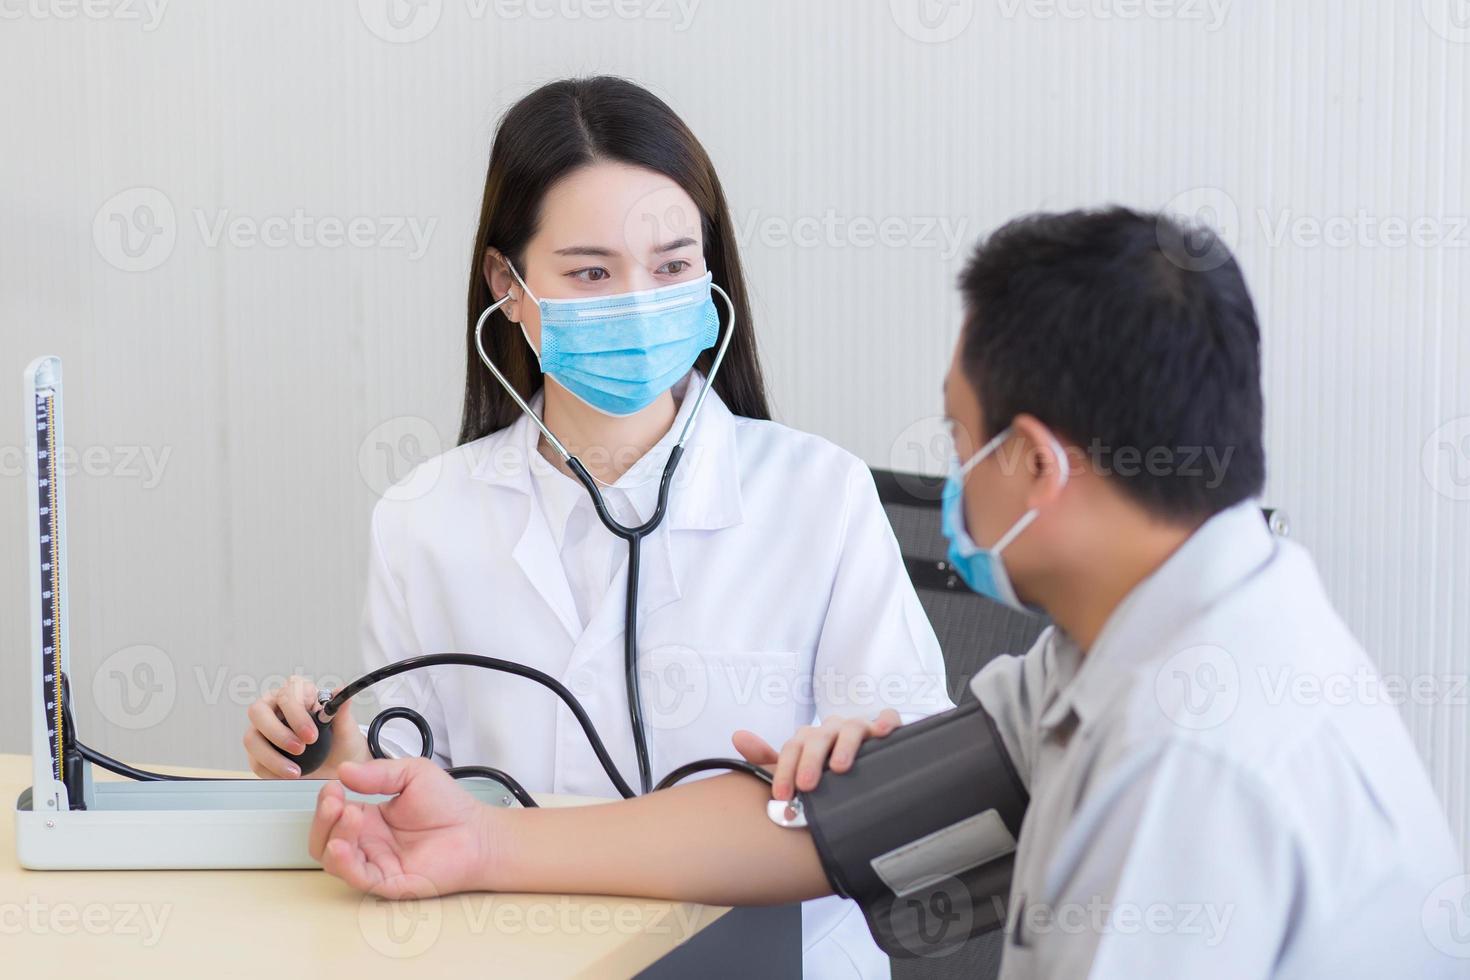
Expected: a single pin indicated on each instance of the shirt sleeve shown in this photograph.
(877, 649)
(1176, 865)
(387, 637)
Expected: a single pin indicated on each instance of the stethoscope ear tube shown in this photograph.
(551, 438)
(632, 535)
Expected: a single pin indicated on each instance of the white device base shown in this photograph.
(226, 823)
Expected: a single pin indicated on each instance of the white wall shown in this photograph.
(275, 379)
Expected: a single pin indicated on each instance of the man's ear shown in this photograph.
(497, 275)
(1042, 462)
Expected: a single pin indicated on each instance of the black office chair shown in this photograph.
(972, 631)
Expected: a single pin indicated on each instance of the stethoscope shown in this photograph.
(329, 702)
(633, 535)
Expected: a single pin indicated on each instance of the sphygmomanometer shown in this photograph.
(920, 831)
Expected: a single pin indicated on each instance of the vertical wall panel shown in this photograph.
(282, 386)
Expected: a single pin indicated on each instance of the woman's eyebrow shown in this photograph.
(602, 251)
(597, 250)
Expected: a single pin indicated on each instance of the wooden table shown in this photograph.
(274, 924)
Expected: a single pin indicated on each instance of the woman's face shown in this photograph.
(606, 228)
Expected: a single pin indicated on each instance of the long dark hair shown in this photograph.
(546, 135)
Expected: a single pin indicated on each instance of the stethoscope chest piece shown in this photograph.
(784, 813)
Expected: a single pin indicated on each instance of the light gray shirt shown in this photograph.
(1221, 787)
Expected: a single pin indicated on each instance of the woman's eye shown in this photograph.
(674, 267)
(594, 274)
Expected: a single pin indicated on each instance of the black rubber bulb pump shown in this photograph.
(311, 758)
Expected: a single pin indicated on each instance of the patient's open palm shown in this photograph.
(430, 839)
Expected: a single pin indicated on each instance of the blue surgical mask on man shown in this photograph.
(983, 569)
(619, 353)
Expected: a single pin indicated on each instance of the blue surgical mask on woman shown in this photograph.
(982, 569)
(619, 353)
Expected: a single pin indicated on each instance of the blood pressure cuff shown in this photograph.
(921, 831)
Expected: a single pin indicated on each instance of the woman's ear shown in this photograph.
(501, 282)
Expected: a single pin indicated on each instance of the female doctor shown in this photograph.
(771, 597)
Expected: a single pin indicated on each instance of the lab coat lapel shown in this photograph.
(705, 495)
(537, 556)
(505, 465)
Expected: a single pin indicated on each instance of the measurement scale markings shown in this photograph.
(50, 565)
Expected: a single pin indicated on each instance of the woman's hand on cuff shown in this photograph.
(832, 744)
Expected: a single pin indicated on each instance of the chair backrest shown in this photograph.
(972, 629)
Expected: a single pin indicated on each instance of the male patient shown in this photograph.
(1106, 411)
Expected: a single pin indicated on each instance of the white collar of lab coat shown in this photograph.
(705, 494)
(1223, 552)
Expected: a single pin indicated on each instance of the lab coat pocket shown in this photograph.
(693, 701)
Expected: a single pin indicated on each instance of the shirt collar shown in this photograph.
(705, 494)
(1216, 558)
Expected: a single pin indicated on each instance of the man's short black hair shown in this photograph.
(1107, 327)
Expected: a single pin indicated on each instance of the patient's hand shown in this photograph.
(800, 762)
(432, 838)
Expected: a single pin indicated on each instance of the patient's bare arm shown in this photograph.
(708, 841)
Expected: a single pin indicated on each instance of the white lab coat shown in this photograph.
(772, 594)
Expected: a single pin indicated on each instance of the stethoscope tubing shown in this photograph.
(332, 702)
(632, 535)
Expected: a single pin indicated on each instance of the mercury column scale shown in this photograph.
(68, 820)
